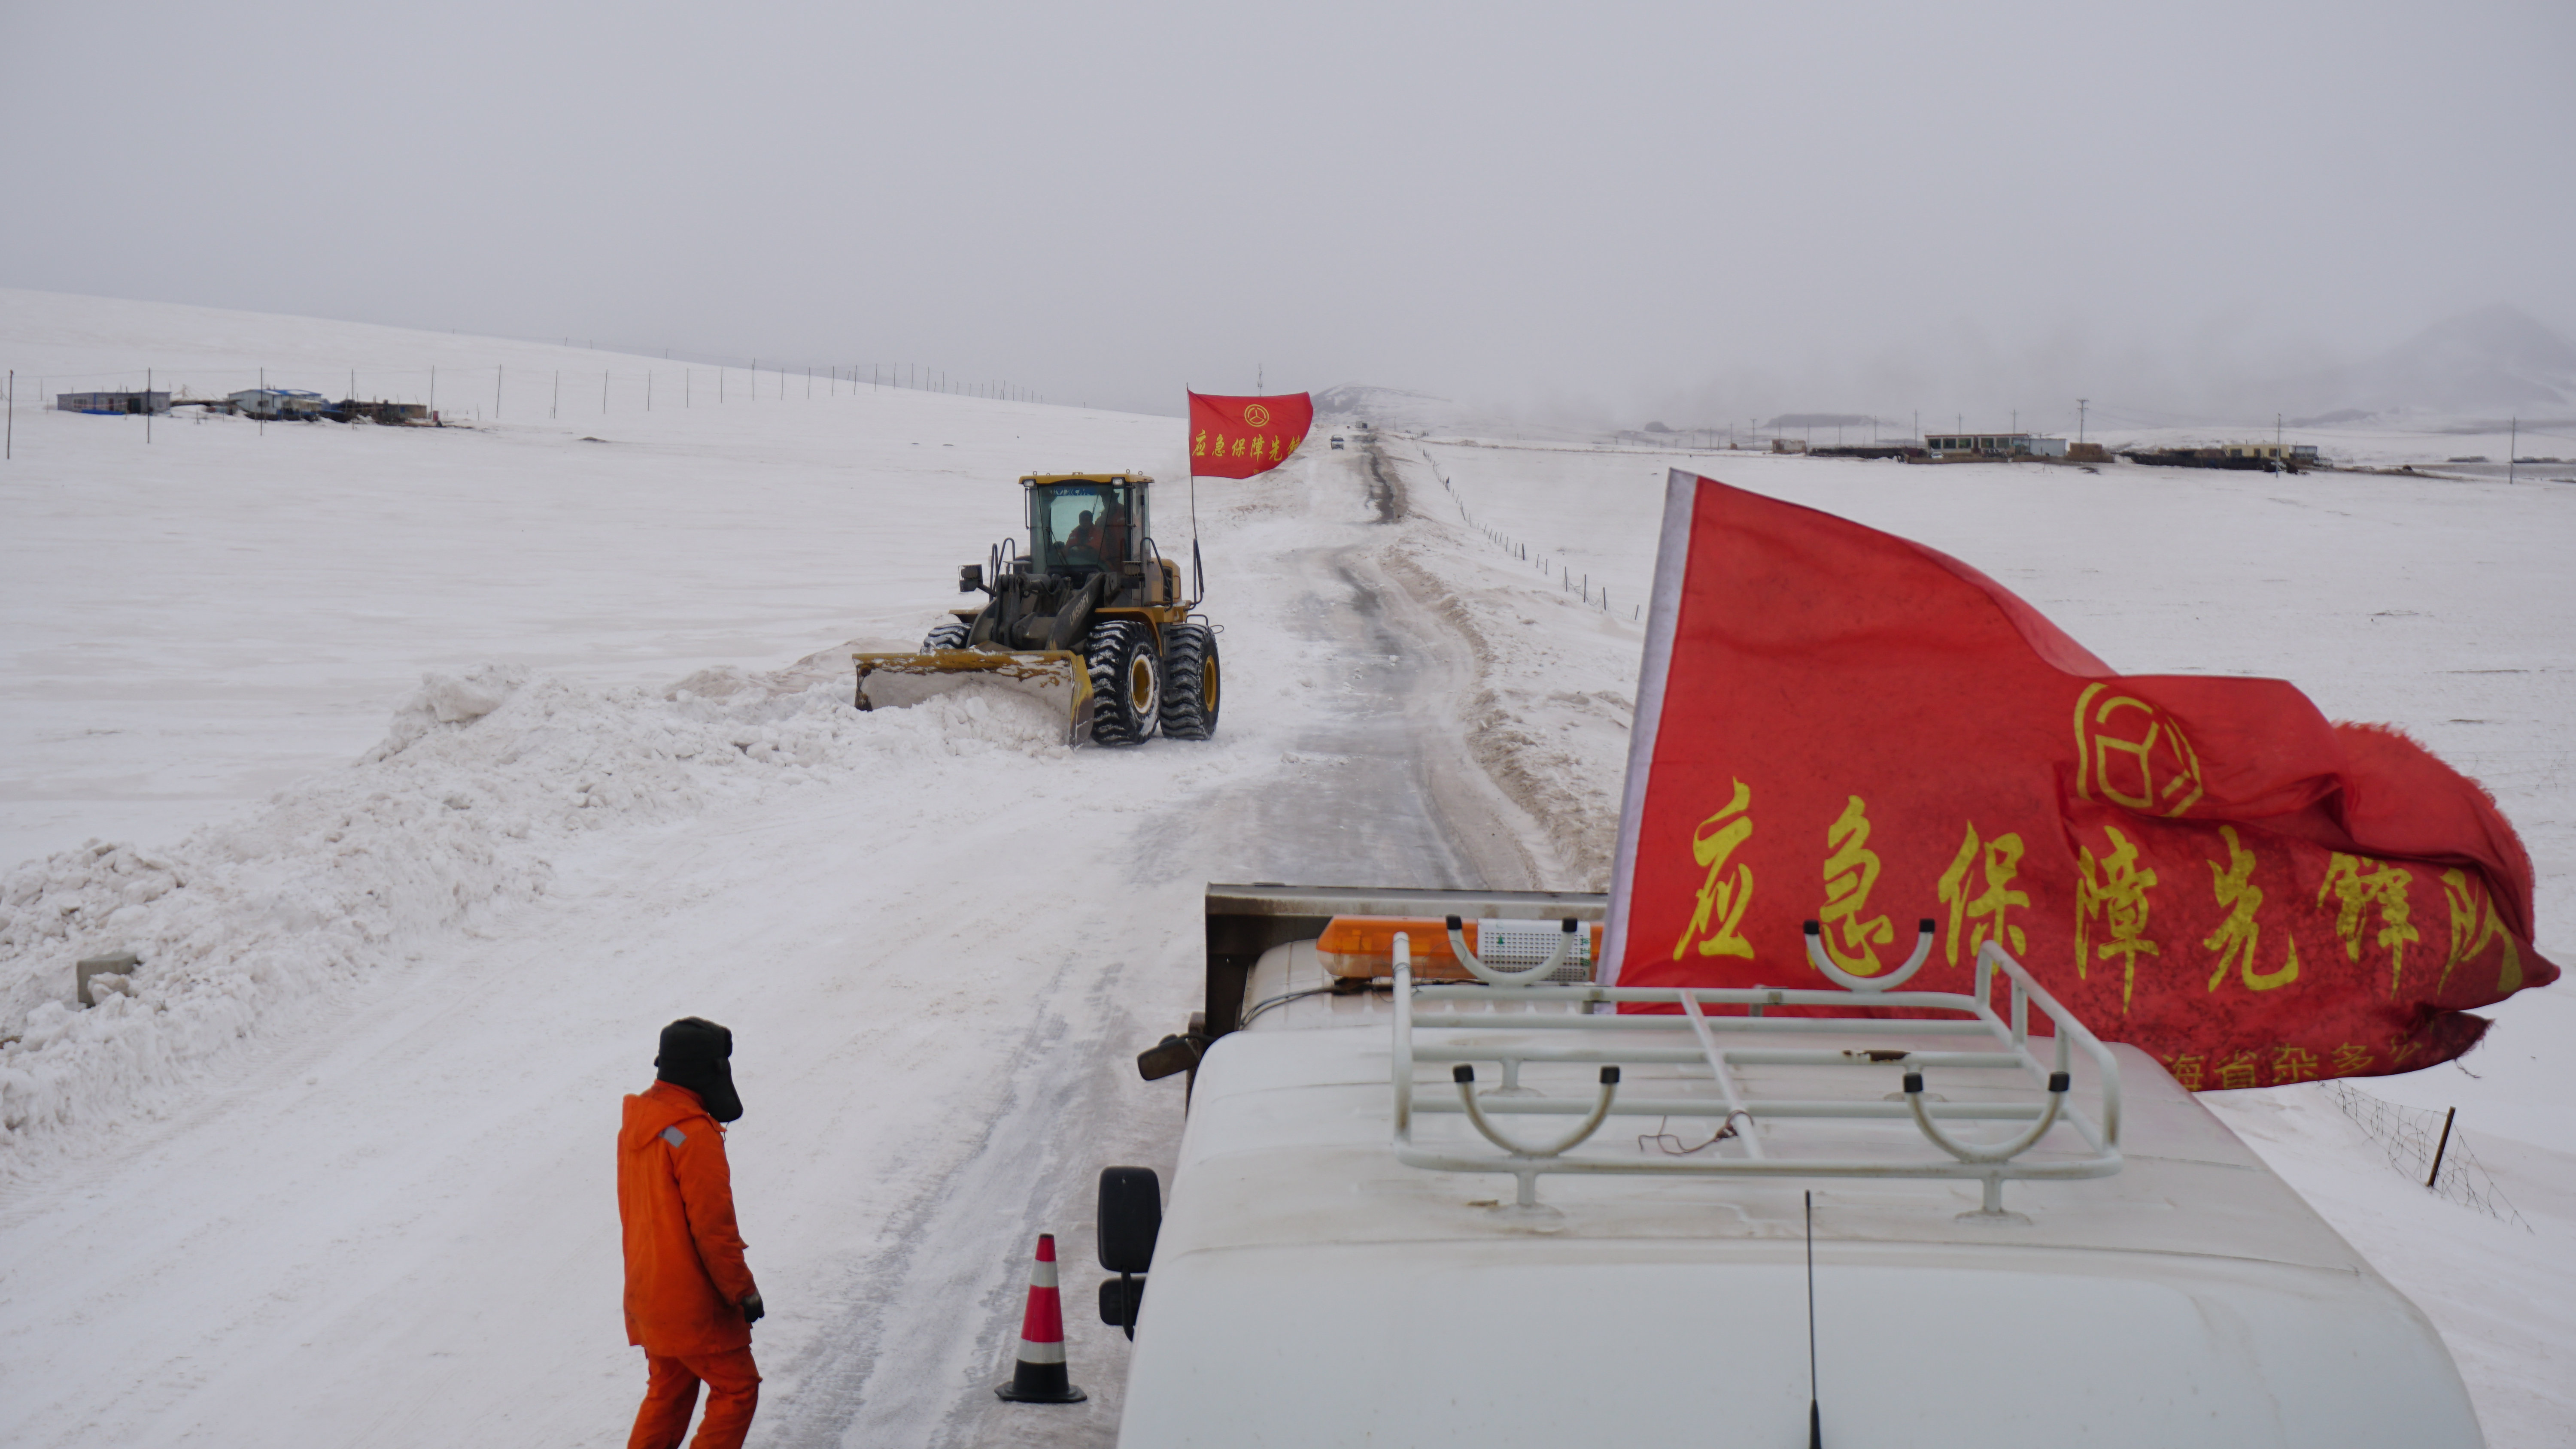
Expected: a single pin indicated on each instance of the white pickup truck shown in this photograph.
(1413, 1207)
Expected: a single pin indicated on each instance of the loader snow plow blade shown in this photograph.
(1058, 676)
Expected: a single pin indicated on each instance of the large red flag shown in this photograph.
(1835, 724)
(1236, 437)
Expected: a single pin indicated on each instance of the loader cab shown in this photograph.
(1082, 523)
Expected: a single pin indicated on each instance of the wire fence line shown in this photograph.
(516, 392)
(2414, 1139)
(524, 390)
(1568, 581)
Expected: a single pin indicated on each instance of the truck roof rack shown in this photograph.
(1513, 1021)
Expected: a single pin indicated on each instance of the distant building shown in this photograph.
(2249, 457)
(390, 414)
(112, 402)
(2295, 452)
(1996, 445)
(277, 402)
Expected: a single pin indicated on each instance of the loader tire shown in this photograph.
(1191, 688)
(1126, 683)
(951, 635)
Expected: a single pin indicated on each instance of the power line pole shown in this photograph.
(2513, 445)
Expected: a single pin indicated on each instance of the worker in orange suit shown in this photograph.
(690, 1299)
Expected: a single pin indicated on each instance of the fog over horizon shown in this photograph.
(1699, 214)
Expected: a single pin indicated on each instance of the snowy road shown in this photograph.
(1353, 801)
(392, 1223)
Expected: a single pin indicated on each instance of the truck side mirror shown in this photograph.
(1121, 1299)
(970, 577)
(1169, 1057)
(1131, 1217)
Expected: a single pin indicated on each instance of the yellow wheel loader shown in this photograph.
(1090, 617)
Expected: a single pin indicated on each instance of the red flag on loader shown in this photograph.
(1236, 437)
(1835, 724)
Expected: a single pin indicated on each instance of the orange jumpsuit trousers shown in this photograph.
(733, 1391)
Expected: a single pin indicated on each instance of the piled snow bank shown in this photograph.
(479, 780)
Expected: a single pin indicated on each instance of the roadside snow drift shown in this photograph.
(480, 780)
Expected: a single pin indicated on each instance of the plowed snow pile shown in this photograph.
(480, 780)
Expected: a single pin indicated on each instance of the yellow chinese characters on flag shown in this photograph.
(1236, 437)
(1837, 725)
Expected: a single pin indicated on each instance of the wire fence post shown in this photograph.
(2445, 1146)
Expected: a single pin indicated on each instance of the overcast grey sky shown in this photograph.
(1666, 207)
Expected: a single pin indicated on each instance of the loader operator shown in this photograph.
(690, 1298)
(1115, 534)
(1085, 535)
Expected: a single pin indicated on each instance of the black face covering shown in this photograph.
(697, 1054)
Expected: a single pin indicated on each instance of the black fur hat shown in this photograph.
(698, 1054)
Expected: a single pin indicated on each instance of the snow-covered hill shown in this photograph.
(2497, 360)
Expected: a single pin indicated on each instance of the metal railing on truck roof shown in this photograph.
(1697, 1037)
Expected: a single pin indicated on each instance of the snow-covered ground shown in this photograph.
(339, 1159)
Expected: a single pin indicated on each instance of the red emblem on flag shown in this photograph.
(1236, 437)
(1838, 725)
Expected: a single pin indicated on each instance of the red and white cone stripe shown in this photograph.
(1042, 1326)
(1039, 1376)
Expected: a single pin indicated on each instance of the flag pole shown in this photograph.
(1198, 571)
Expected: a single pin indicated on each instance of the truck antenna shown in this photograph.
(1815, 1418)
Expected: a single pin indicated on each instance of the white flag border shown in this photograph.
(1672, 566)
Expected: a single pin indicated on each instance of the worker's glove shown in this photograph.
(751, 1308)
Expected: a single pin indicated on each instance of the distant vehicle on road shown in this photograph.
(1337, 443)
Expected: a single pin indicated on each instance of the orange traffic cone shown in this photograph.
(1039, 1377)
